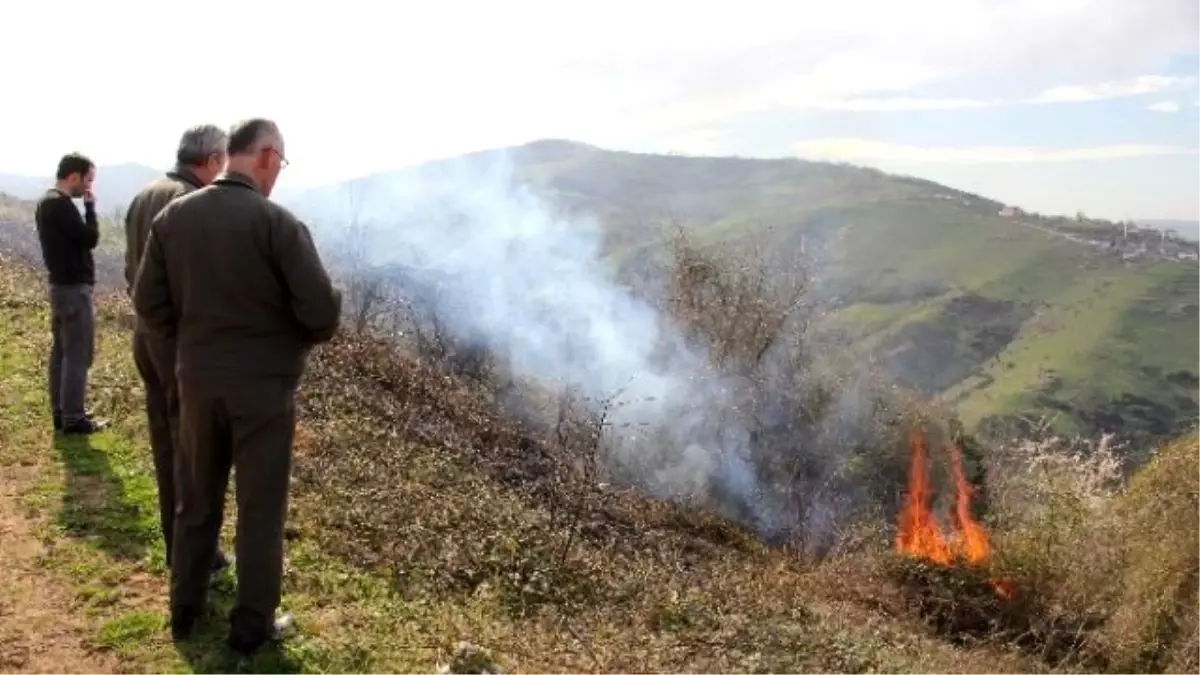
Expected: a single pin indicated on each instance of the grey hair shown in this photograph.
(197, 143)
(246, 135)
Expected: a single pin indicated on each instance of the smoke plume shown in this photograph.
(529, 286)
(511, 276)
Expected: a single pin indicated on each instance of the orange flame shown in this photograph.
(919, 534)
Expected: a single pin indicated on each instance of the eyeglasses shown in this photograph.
(283, 161)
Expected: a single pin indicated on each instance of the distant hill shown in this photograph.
(624, 188)
(115, 186)
(1009, 318)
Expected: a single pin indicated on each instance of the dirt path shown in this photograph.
(40, 627)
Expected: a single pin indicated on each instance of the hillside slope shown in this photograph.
(1008, 318)
(418, 519)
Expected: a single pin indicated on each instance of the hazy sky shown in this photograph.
(1056, 105)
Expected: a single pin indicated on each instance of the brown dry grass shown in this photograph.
(422, 517)
(413, 476)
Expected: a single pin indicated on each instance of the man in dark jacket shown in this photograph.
(198, 160)
(237, 282)
(67, 241)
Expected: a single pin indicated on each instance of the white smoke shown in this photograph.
(532, 287)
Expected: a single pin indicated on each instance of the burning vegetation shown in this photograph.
(919, 534)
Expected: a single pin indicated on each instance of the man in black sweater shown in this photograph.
(67, 241)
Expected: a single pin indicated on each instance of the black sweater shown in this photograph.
(67, 239)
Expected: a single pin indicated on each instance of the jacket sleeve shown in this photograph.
(152, 289)
(131, 253)
(316, 304)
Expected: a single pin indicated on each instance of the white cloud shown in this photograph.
(905, 104)
(1164, 107)
(360, 86)
(1138, 86)
(1144, 85)
(865, 150)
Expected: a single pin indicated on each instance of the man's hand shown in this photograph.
(89, 198)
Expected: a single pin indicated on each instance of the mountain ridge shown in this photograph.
(133, 175)
(960, 296)
(1005, 315)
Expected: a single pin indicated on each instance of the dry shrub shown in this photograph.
(1102, 574)
(739, 305)
(959, 601)
(1051, 499)
(827, 437)
(404, 305)
(1153, 622)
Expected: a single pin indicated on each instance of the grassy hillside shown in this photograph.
(419, 519)
(1003, 320)
(1009, 319)
(424, 515)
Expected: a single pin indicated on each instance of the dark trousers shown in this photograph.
(72, 346)
(155, 360)
(247, 424)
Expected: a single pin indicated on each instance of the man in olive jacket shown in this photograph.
(199, 159)
(237, 282)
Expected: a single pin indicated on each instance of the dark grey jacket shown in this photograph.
(236, 280)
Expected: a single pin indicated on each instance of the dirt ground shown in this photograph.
(40, 628)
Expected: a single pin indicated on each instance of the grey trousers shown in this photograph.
(72, 346)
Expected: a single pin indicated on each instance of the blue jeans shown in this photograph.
(73, 342)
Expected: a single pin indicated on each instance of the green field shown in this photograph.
(1004, 320)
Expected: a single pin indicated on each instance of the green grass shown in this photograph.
(95, 502)
(1098, 331)
(1093, 341)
